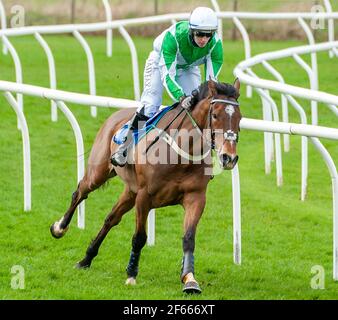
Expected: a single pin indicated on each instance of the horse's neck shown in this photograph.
(200, 113)
(198, 144)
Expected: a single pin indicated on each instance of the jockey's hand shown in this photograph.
(186, 102)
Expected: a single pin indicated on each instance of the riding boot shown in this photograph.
(119, 158)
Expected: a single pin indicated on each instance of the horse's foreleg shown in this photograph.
(89, 183)
(125, 203)
(193, 204)
(139, 237)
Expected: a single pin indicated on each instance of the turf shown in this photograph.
(282, 237)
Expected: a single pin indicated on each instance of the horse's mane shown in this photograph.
(221, 88)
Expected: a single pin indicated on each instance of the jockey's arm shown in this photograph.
(214, 61)
(167, 66)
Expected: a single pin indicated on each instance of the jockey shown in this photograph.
(174, 64)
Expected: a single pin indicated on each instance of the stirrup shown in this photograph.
(119, 158)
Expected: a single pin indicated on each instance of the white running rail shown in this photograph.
(118, 24)
(109, 18)
(246, 75)
(3, 25)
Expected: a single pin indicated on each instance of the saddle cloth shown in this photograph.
(121, 134)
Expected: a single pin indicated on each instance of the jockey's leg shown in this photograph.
(119, 158)
(189, 79)
(151, 100)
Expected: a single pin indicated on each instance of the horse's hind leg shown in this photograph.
(125, 203)
(92, 180)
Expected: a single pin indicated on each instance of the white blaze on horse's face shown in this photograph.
(226, 118)
(230, 110)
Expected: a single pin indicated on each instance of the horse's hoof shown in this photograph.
(82, 265)
(56, 232)
(131, 281)
(192, 287)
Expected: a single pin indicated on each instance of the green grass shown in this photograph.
(282, 237)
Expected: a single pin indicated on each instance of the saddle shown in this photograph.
(121, 134)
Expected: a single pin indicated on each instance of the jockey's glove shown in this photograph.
(186, 102)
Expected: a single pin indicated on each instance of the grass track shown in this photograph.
(282, 237)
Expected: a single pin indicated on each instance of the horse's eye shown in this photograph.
(214, 116)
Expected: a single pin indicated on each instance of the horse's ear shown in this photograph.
(237, 86)
(212, 88)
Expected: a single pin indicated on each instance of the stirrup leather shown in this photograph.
(119, 158)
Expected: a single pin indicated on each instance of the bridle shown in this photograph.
(229, 135)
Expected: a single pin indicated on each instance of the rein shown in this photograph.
(163, 131)
(229, 135)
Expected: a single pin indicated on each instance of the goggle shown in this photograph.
(202, 34)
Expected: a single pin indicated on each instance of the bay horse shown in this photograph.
(215, 116)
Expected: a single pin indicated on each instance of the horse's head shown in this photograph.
(225, 116)
(223, 120)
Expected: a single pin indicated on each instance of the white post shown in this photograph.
(284, 101)
(26, 151)
(151, 228)
(335, 51)
(269, 115)
(334, 176)
(109, 18)
(285, 118)
(301, 111)
(236, 202)
(335, 226)
(333, 108)
(268, 136)
(312, 78)
(52, 73)
(303, 120)
(247, 47)
(134, 61)
(314, 85)
(3, 26)
(279, 170)
(306, 67)
(80, 157)
(91, 68)
(220, 21)
(330, 25)
(18, 71)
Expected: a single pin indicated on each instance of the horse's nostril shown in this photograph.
(225, 159)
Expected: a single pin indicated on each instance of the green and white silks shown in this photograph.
(174, 64)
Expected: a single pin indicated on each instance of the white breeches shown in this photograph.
(151, 97)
